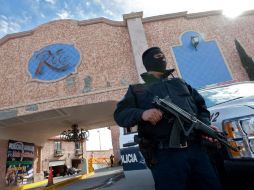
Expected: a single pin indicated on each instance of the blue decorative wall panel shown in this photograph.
(202, 66)
(53, 62)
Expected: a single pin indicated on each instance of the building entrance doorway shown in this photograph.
(76, 163)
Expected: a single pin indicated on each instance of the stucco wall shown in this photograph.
(105, 56)
(166, 34)
(3, 157)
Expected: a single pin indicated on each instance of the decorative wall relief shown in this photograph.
(70, 81)
(200, 62)
(53, 62)
(87, 84)
(124, 82)
(32, 107)
(7, 114)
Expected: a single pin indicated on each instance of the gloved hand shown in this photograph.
(212, 140)
(152, 115)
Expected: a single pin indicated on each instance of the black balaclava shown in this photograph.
(154, 60)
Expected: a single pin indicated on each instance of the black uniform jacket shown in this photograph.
(139, 98)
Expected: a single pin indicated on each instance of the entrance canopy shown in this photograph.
(38, 127)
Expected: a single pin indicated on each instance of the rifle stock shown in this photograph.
(170, 108)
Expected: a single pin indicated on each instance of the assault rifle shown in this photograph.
(170, 108)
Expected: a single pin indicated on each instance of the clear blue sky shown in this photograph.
(23, 15)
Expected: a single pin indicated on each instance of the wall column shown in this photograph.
(3, 158)
(37, 165)
(138, 39)
(38, 168)
(115, 134)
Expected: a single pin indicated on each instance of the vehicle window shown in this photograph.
(224, 94)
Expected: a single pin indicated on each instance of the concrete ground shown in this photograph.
(101, 178)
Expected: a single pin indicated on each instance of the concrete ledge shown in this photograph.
(55, 186)
(15, 35)
(101, 20)
(133, 15)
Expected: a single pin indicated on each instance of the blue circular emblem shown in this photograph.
(53, 62)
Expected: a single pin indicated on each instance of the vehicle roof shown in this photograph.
(223, 84)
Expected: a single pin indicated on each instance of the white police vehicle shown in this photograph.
(232, 111)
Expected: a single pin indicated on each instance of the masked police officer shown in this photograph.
(178, 164)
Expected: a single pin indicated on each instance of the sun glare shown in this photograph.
(232, 13)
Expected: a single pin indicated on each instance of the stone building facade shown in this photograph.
(45, 89)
